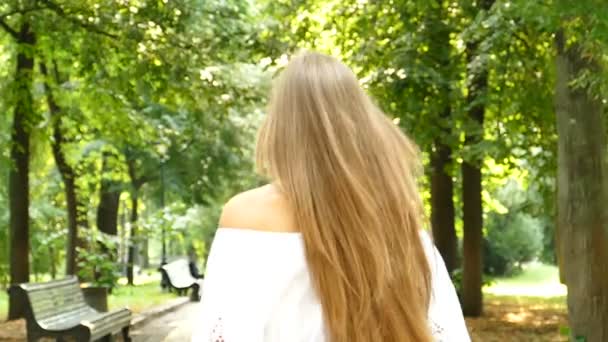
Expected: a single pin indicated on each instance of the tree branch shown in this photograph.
(91, 28)
(9, 29)
(21, 11)
(522, 40)
(58, 141)
(136, 182)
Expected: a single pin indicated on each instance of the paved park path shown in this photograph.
(175, 326)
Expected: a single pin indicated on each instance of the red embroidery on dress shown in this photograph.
(217, 333)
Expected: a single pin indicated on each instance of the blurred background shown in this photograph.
(125, 124)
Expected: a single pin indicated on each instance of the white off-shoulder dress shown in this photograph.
(257, 288)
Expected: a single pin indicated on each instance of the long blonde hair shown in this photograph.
(350, 176)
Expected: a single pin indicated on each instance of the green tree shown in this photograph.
(118, 74)
(582, 185)
(23, 120)
(76, 209)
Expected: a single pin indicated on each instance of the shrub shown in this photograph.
(97, 262)
(515, 236)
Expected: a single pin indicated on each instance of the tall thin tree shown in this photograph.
(19, 199)
(442, 183)
(472, 206)
(76, 209)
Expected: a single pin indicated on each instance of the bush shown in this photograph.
(513, 237)
(97, 262)
(4, 276)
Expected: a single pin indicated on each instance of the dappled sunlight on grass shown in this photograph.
(505, 319)
(528, 307)
(533, 302)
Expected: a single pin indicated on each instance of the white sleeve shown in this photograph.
(445, 314)
(229, 309)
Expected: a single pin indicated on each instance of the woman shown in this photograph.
(333, 249)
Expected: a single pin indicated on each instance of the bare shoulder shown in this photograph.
(263, 208)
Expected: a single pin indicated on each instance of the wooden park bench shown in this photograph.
(179, 278)
(57, 309)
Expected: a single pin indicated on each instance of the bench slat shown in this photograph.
(54, 298)
(66, 320)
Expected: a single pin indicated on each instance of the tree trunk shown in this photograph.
(76, 216)
(109, 196)
(472, 207)
(19, 172)
(582, 195)
(76, 211)
(442, 205)
(109, 201)
(53, 262)
(145, 252)
(472, 217)
(122, 255)
(136, 184)
(107, 211)
(442, 184)
(133, 238)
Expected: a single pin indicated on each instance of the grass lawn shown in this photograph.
(139, 297)
(3, 305)
(536, 280)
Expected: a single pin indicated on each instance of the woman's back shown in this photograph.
(345, 179)
(258, 285)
